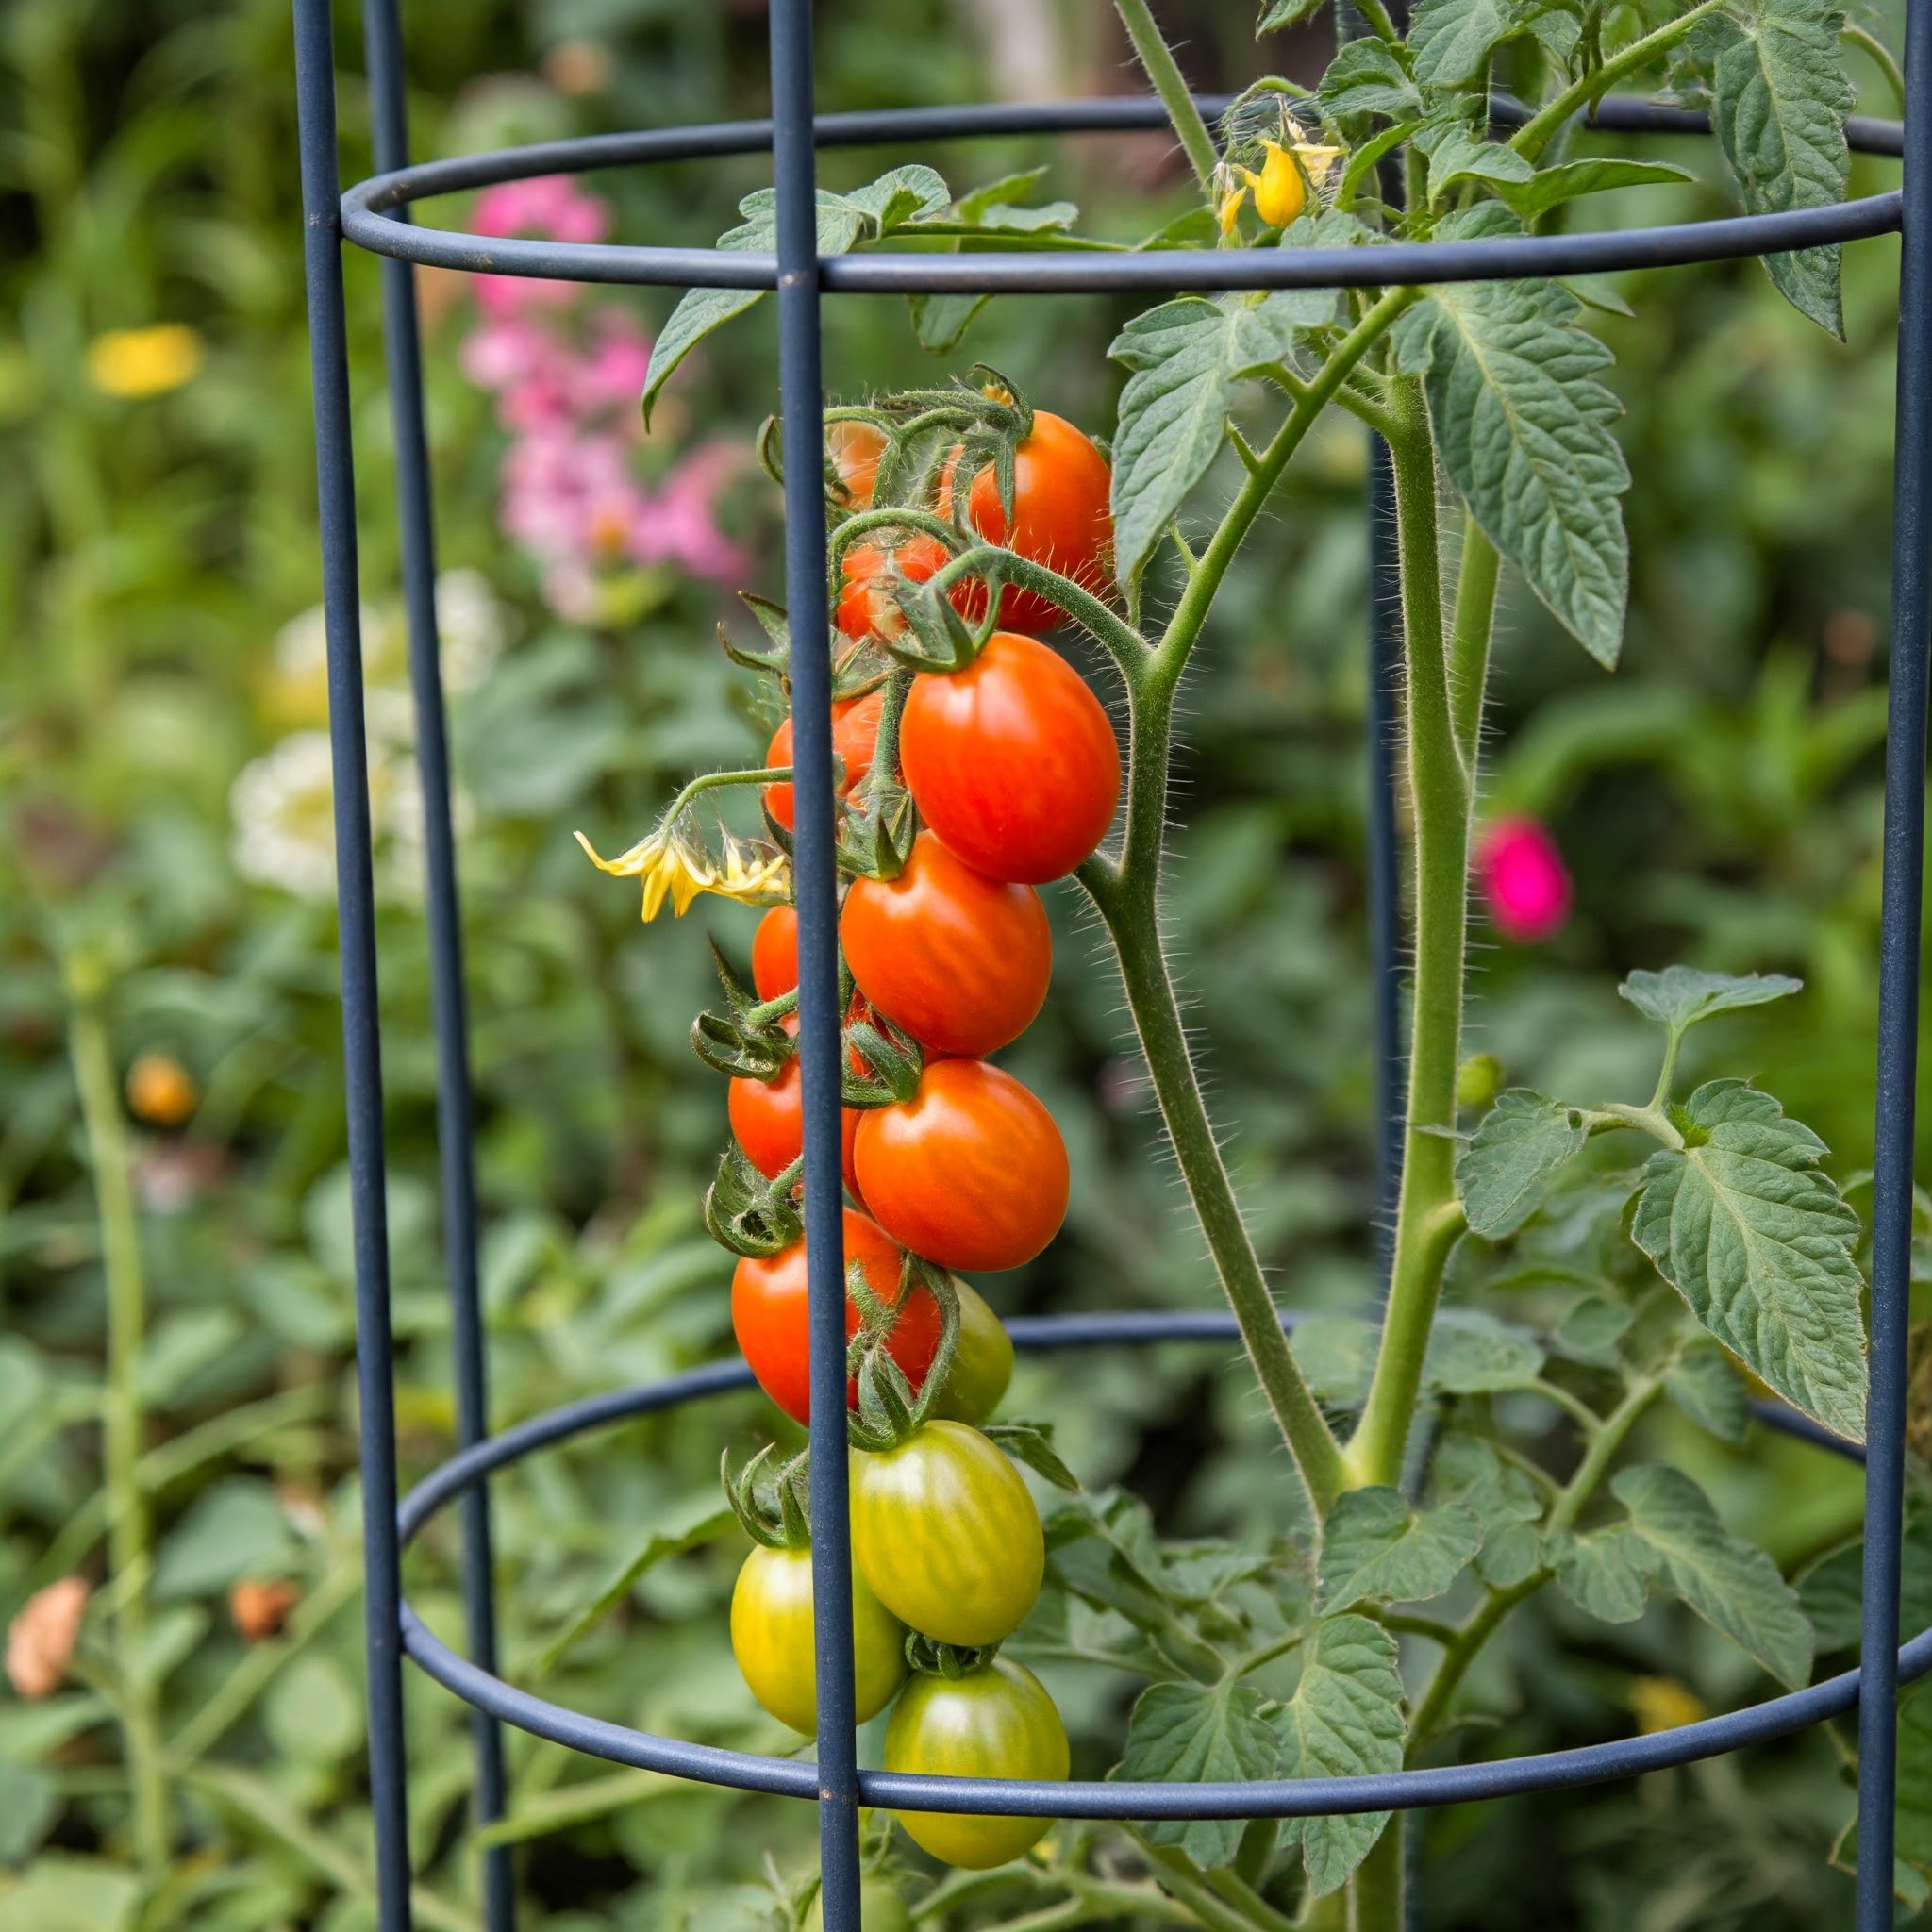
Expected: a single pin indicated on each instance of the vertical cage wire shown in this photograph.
(321, 254)
(1898, 1001)
(799, 354)
(449, 1007)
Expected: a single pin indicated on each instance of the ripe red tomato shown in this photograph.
(995, 1721)
(865, 608)
(971, 1171)
(768, 1122)
(1011, 762)
(854, 737)
(959, 961)
(775, 953)
(1060, 518)
(768, 1315)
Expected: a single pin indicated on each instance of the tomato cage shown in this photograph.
(374, 215)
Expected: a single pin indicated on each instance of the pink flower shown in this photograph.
(679, 525)
(611, 375)
(1524, 880)
(551, 206)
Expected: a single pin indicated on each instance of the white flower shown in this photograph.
(283, 807)
(475, 628)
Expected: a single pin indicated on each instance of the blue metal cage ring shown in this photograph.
(372, 215)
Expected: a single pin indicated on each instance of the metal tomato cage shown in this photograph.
(373, 216)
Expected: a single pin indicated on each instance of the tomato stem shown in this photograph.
(1429, 1216)
(1156, 57)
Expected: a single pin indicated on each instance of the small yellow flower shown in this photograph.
(1662, 1704)
(135, 363)
(672, 868)
(1289, 169)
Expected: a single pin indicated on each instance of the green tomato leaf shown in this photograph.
(1185, 355)
(1032, 1443)
(1457, 153)
(1374, 1544)
(1832, 1592)
(1570, 179)
(900, 198)
(1779, 98)
(1731, 1584)
(1524, 429)
(1337, 1355)
(1200, 1734)
(1472, 1352)
(1591, 1330)
(1450, 40)
(1605, 1574)
(1680, 996)
(839, 222)
(1704, 1385)
(1365, 77)
(1508, 1504)
(28, 1806)
(1523, 1143)
(1344, 1719)
(1280, 13)
(1757, 1240)
(940, 320)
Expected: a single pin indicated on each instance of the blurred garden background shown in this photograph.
(180, 1508)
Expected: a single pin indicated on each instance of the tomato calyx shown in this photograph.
(982, 414)
(749, 1040)
(778, 1518)
(951, 1661)
(748, 1214)
(888, 1411)
(891, 1062)
(857, 667)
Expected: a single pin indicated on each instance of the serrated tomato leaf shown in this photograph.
(1374, 1544)
(1523, 1143)
(1450, 40)
(1523, 427)
(1731, 1584)
(1605, 1574)
(1745, 1226)
(1779, 98)
(1681, 996)
(1200, 1734)
(1344, 1720)
(1551, 187)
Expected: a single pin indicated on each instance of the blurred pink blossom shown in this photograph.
(550, 206)
(1524, 880)
(567, 390)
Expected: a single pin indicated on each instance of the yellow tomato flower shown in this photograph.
(1280, 191)
(135, 363)
(670, 867)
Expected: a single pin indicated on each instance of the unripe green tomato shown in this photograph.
(995, 1722)
(771, 1638)
(982, 1363)
(1476, 1081)
(947, 1534)
(880, 1910)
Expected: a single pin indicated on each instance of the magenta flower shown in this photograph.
(1524, 880)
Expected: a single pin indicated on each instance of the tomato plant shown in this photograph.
(947, 1534)
(1011, 762)
(775, 953)
(982, 1362)
(768, 1119)
(959, 961)
(994, 1721)
(770, 1319)
(1062, 518)
(865, 608)
(971, 1171)
(772, 1638)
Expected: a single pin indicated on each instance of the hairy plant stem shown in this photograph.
(121, 1413)
(1468, 637)
(1375, 1892)
(1428, 1218)
(1497, 1603)
(1164, 71)
(1536, 133)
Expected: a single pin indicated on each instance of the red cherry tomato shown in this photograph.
(971, 1171)
(768, 1122)
(854, 449)
(959, 961)
(775, 953)
(854, 737)
(1060, 518)
(1011, 762)
(768, 1315)
(866, 610)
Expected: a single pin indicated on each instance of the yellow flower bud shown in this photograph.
(1282, 190)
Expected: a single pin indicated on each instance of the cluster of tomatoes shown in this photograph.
(997, 775)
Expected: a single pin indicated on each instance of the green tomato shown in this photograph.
(947, 1534)
(880, 1910)
(982, 1363)
(995, 1722)
(770, 1637)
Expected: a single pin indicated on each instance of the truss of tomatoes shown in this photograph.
(1013, 768)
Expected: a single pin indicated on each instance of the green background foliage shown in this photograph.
(1718, 803)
